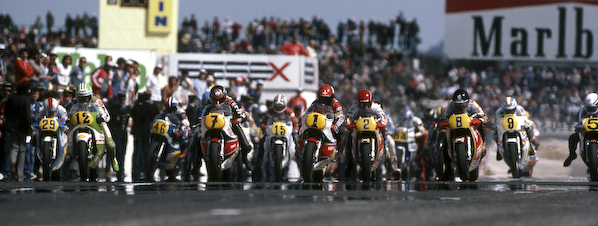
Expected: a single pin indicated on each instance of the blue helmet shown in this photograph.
(205, 99)
(407, 114)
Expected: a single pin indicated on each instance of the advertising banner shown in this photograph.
(534, 30)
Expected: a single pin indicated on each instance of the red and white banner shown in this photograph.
(531, 30)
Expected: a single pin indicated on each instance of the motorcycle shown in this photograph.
(368, 145)
(319, 145)
(279, 145)
(589, 146)
(405, 147)
(465, 145)
(88, 140)
(165, 148)
(515, 146)
(220, 146)
(52, 143)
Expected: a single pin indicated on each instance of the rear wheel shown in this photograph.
(278, 162)
(462, 163)
(513, 156)
(593, 161)
(308, 161)
(82, 159)
(151, 161)
(366, 162)
(214, 162)
(46, 164)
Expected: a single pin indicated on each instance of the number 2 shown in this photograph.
(366, 122)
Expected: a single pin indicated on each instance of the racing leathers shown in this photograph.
(327, 148)
(574, 138)
(519, 111)
(472, 109)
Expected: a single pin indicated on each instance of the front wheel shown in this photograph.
(82, 159)
(214, 169)
(513, 157)
(46, 164)
(151, 161)
(462, 163)
(593, 161)
(366, 162)
(308, 161)
(278, 170)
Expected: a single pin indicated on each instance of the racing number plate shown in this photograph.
(509, 121)
(279, 129)
(366, 124)
(459, 121)
(82, 118)
(591, 124)
(48, 124)
(399, 136)
(315, 121)
(160, 128)
(214, 121)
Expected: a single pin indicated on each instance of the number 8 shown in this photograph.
(459, 121)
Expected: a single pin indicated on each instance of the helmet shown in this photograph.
(509, 104)
(171, 105)
(326, 94)
(279, 104)
(217, 95)
(84, 93)
(51, 106)
(407, 114)
(365, 99)
(460, 99)
(429, 114)
(205, 98)
(591, 103)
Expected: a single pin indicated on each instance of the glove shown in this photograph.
(381, 125)
(334, 128)
(476, 122)
(99, 119)
(177, 134)
(443, 124)
(237, 121)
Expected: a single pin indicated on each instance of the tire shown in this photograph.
(46, 164)
(278, 170)
(213, 165)
(82, 159)
(151, 161)
(593, 161)
(307, 162)
(462, 163)
(513, 156)
(366, 162)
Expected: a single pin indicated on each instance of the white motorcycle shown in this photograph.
(279, 145)
(515, 146)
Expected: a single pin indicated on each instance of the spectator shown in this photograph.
(102, 80)
(78, 73)
(294, 48)
(297, 103)
(3, 71)
(23, 70)
(49, 21)
(63, 78)
(153, 86)
(169, 89)
(18, 125)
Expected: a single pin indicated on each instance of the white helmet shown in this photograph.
(591, 103)
(509, 104)
(51, 105)
(84, 92)
(279, 104)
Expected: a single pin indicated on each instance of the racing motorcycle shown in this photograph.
(465, 145)
(52, 144)
(89, 141)
(368, 144)
(318, 147)
(220, 146)
(279, 145)
(406, 146)
(515, 146)
(589, 146)
(165, 148)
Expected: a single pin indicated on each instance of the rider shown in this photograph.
(84, 95)
(421, 136)
(589, 110)
(172, 107)
(365, 103)
(509, 106)
(279, 107)
(325, 97)
(461, 102)
(218, 96)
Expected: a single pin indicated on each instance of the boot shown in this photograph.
(498, 156)
(246, 161)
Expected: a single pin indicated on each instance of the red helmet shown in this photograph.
(326, 94)
(365, 98)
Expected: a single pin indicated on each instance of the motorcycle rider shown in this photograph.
(218, 96)
(85, 95)
(509, 106)
(365, 102)
(462, 103)
(171, 108)
(51, 108)
(590, 109)
(279, 106)
(325, 97)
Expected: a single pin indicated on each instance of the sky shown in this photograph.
(429, 13)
